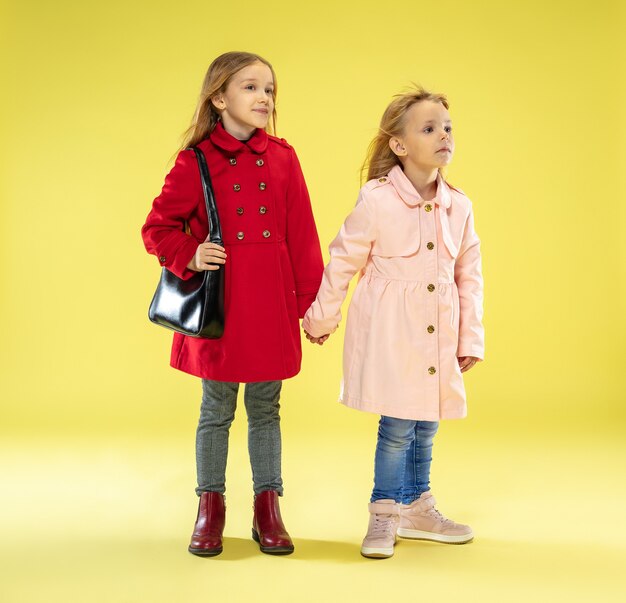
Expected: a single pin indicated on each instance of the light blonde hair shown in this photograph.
(216, 80)
(380, 158)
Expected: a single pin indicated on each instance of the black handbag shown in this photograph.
(194, 306)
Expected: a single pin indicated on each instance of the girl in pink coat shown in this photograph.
(415, 320)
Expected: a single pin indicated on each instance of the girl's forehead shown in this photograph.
(428, 109)
(256, 71)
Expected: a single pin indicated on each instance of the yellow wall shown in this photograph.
(98, 94)
(96, 446)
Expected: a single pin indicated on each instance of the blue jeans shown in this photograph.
(403, 458)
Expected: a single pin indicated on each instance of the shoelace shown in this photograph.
(437, 515)
(382, 524)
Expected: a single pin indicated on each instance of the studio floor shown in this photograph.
(108, 520)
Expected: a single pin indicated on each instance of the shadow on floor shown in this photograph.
(305, 550)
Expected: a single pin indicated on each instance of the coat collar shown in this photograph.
(410, 196)
(222, 139)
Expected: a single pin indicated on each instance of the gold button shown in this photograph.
(233, 161)
(162, 259)
(262, 209)
(237, 187)
(240, 235)
(262, 185)
(259, 162)
(430, 329)
(266, 233)
(430, 245)
(428, 207)
(240, 210)
(382, 180)
(432, 370)
(431, 287)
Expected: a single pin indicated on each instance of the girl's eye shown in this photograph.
(428, 129)
(250, 87)
(270, 91)
(448, 128)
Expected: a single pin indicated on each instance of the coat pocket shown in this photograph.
(398, 236)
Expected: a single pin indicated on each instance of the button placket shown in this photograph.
(431, 315)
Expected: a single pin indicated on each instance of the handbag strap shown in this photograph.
(215, 229)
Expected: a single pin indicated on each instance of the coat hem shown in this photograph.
(391, 410)
(236, 378)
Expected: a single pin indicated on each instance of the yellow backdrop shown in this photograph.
(96, 426)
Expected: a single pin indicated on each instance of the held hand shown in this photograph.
(207, 256)
(318, 340)
(467, 362)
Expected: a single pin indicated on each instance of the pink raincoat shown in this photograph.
(418, 305)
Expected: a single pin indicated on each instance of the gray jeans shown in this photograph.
(219, 401)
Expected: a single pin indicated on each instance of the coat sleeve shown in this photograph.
(349, 252)
(163, 232)
(302, 238)
(469, 282)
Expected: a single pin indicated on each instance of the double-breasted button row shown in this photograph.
(233, 161)
(262, 210)
(262, 186)
(266, 234)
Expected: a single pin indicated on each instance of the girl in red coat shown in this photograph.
(273, 269)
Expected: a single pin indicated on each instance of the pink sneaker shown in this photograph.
(382, 528)
(420, 520)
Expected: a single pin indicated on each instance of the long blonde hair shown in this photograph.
(217, 78)
(380, 158)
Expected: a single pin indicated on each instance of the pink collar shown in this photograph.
(410, 196)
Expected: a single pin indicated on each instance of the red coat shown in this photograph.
(274, 265)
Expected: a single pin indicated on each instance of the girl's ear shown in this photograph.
(395, 144)
(218, 101)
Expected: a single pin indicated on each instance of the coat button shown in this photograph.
(233, 161)
(431, 287)
(432, 370)
(236, 187)
(240, 235)
(259, 162)
(430, 329)
(262, 209)
(382, 180)
(262, 186)
(428, 207)
(266, 233)
(430, 245)
(162, 259)
(240, 210)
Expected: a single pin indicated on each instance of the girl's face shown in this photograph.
(426, 142)
(248, 101)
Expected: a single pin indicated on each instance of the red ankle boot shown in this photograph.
(206, 540)
(267, 526)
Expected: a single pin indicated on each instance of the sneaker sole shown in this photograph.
(376, 552)
(420, 535)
